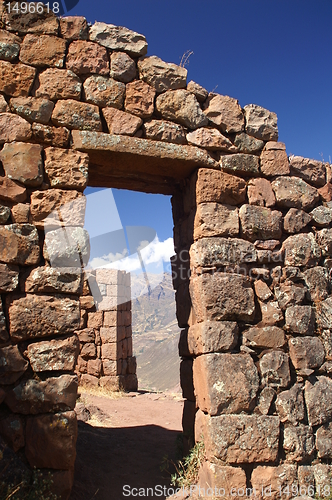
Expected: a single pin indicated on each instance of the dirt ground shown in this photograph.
(122, 441)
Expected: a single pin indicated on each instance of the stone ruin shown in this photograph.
(82, 106)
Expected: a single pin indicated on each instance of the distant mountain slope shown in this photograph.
(155, 334)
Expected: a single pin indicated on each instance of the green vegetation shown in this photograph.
(39, 488)
(186, 470)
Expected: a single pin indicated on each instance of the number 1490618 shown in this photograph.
(33, 7)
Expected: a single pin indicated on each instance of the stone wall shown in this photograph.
(82, 106)
(106, 349)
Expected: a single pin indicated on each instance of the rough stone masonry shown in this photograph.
(83, 105)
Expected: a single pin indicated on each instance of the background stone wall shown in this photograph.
(253, 240)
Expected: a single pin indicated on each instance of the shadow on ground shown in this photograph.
(109, 458)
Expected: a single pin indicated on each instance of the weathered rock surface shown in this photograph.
(58, 207)
(317, 280)
(215, 219)
(35, 109)
(210, 138)
(43, 396)
(261, 123)
(35, 316)
(74, 28)
(260, 193)
(8, 278)
(216, 186)
(247, 144)
(321, 216)
(221, 252)
(66, 168)
(300, 319)
(54, 136)
(324, 313)
(53, 280)
(312, 171)
(301, 250)
(200, 92)
(140, 99)
(225, 112)
(12, 365)
(76, 115)
(43, 50)
(162, 130)
(266, 337)
(19, 244)
(265, 400)
(23, 162)
(295, 220)
(274, 162)
(4, 214)
(240, 164)
(87, 57)
(212, 336)
(13, 128)
(271, 312)
(324, 441)
(306, 352)
(225, 383)
(240, 438)
(222, 297)
(11, 191)
(273, 480)
(290, 405)
(298, 443)
(293, 192)
(54, 355)
(16, 79)
(4, 108)
(103, 91)
(51, 440)
(120, 122)
(274, 368)
(9, 46)
(160, 75)
(58, 84)
(289, 295)
(318, 399)
(324, 239)
(67, 247)
(260, 223)
(182, 107)
(262, 291)
(119, 38)
(123, 67)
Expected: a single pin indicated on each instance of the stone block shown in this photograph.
(54, 136)
(300, 319)
(262, 291)
(306, 352)
(118, 38)
(260, 193)
(86, 335)
(19, 244)
(293, 192)
(112, 368)
(247, 144)
(33, 109)
(214, 252)
(111, 351)
(88, 351)
(311, 171)
(271, 312)
(162, 130)
(298, 443)
(270, 481)
(324, 239)
(110, 334)
(200, 92)
(324, 441)
(76, 115)
(43, 50)
(215, 219)
(54, 355)
(264, 337)
(139, 99)
(74, 28)
(274, 163)
(215, 186)
(301, 250)
(289, 295)
(182, 107)
(321, 216)
(85, 57)
(95, 319)
(225, 383)
(123, 67)
(274, 369)
(212, 336)
(225, 480)
(12, 365)
(103, 91)
(89, 381)
(51, 440)
(265, 400)
(222, 297)
(8, 278)
(295, 220)
(67, 247)
(66, 169)
(290, 405)
(186, 379)
(160, 75)
(9, 46)
(318, 399)
(4, 108)
(94, 367)
(120, 122)
(16, 79)
(53, 394)
(261, 123)
(58, 84)
(240, 164)
(13, 128)
(260, 223)
(55, 208)
(225, 112)
(36, 316)
(23, 162)
(211, 139)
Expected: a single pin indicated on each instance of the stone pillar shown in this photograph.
(106, 359)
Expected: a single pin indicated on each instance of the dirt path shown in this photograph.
(123, 443)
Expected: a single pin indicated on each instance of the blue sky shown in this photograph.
(275, 53)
